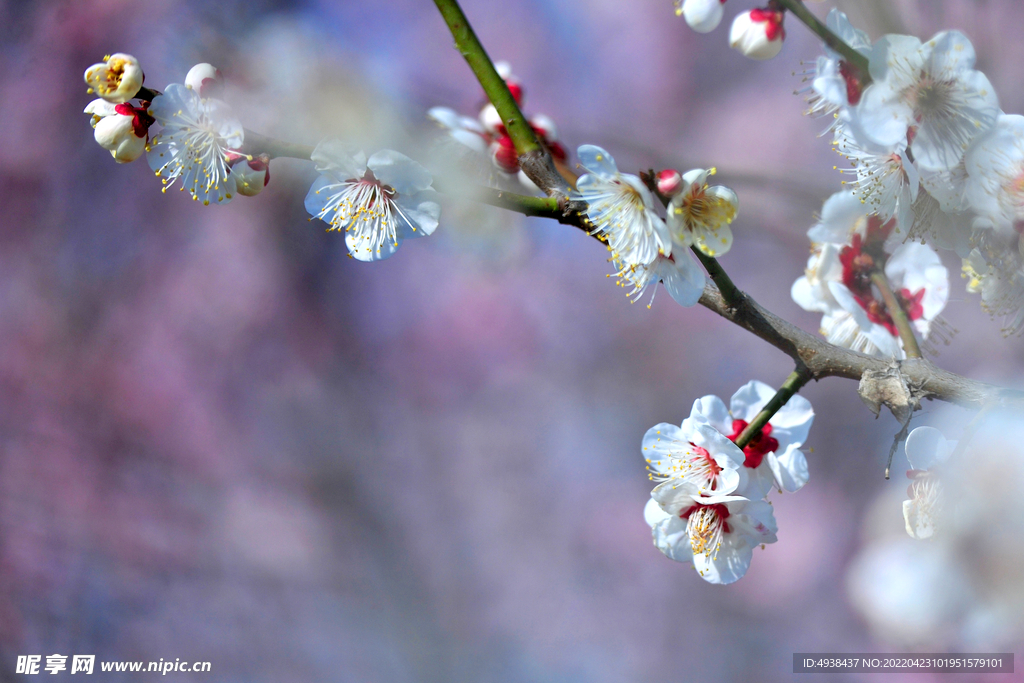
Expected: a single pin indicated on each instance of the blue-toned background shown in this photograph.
(221, 439)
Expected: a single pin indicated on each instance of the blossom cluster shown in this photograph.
(377, 202)
(199, 141)
(849, 247)
(646, 248)
(709, 506)
(931, 151)
(485, 143)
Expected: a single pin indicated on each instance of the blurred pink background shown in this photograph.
(223, 440)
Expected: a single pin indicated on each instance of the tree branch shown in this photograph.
(255, 144)
(494, 86)
(534, 158)
(850, 56)
(823, 359)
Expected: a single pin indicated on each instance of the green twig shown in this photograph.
(730, 292)
(494, 86)
(796, 380)
(898, 315)
(850, 56)
(256, 144)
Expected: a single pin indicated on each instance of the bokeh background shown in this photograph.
(223, 440)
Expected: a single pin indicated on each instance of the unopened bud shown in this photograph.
(206, 80)
(117, 79)
(703, 16)
(120, 128)
(670, 182)
(503, 153)
(758, 33)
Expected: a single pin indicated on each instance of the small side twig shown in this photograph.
(900, 437)
(796, 380)
(898, 315)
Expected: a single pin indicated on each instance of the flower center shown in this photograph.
(702, 212)
(115, 70)
(705, 526)
(695, 465)
(1014, 189)
(761, 445)
(374, 190)
(931, 98)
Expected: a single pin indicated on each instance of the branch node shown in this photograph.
(890, 388)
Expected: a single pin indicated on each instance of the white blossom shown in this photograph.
(251, 174)
(926, 450)
(378, 202)
(717, 534)
(206, 80)
(692, 459)
(682, 276)
(932, 89)
(887, 181)
(995, 174)
(834, 81)
(121, 129)
(995, 270)
(621, 209)
(194, 145)
(838, 284)
(699, 214)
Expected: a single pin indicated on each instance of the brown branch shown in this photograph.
(823, 359)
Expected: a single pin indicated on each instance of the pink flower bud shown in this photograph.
(120, 129)
(206, 80)
(503, 153)
(703, 16)
(669, 182)
(758, 34)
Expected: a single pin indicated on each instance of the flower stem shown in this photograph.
(255, 144)
(850, 56)
(494, 86)
(899, 316)
(796, 380)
